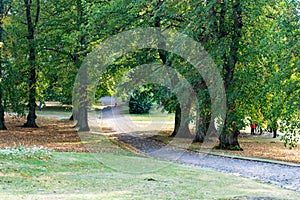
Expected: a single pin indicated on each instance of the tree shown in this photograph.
(229, 137)
(31, 22)
(4, 9)
(219, 28)
(266, 74)
(254, 45)
(70, 44)
(162, 18)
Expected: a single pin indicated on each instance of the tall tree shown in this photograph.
(182, 109)
(219, 28)
(267, 72)
(3, 13)
(229, 137)
(31, 22)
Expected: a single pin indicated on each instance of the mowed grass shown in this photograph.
(114, 173)
(113, 176)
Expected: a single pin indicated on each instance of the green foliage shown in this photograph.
(140, 101)
(291, 132)
(262, 55)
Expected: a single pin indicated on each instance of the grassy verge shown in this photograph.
(111, 174)
(87, 176)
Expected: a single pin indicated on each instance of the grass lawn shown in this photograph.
(83, 176)
(114, 173)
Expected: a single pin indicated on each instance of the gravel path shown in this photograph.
(285, 176)
(282, 175)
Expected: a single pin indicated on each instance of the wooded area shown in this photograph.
(255, 46)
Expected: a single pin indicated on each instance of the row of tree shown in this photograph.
(255, 46)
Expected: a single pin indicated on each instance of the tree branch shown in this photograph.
(38, 10)
(61, 52)
(6, 12)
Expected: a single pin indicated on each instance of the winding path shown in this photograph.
(282, 175)
(285, 176)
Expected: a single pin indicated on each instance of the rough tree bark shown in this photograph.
(81, 115)
(83, 104)
(201, 126)
(202, 114)
(31, 117)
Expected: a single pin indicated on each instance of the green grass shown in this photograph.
(154, 115)
(54, 112)
(112, 176)
(118, 174)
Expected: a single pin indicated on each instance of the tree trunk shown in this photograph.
(2, 120)
(81, 115)
(83, 119)
(2, 124)
(202, 112)
(177, 120)
(201, 127)
(83, 103)
(229, 136)
(182, 114)
(182, 110)
(184, 130)
(31, 117)
(274, 133)
(200, 133)
(230, 141)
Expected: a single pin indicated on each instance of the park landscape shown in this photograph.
(149, 99)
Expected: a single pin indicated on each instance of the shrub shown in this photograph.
(140, 101)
